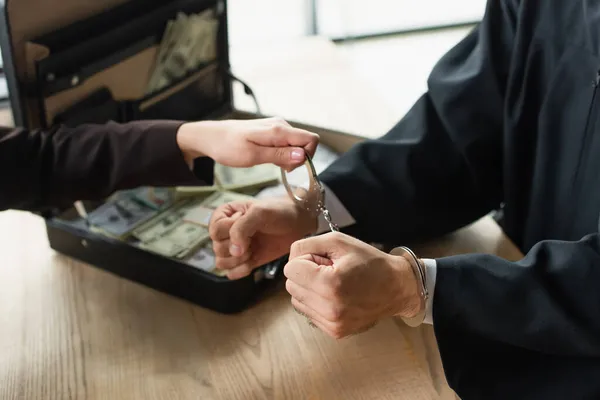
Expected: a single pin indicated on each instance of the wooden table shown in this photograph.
(71, 331)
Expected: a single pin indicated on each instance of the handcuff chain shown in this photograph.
(321, 207)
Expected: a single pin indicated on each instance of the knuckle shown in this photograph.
(281, 153)
(280, 120)
(337, 236)
(296, 248)
(289, 287)
(220, 263)
(337, 313)
(337, 331)
(335, 285)
(279, 128)
(220, 249)
(213, 229)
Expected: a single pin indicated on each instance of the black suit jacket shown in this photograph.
(510, 119)
(54, 168)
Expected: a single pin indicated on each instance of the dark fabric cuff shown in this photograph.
(165, 165)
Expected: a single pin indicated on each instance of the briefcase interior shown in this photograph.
(74, 61)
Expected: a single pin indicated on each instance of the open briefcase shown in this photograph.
(74, 62)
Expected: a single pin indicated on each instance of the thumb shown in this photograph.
(243, 230)
(286, 157)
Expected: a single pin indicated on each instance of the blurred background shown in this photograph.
(300, 55)
(391, 45)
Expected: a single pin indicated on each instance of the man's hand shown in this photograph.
(249, 234)
(245, 143)
(345, 286)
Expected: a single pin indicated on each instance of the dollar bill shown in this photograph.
(159, 226)
(117, 218)
(205, 49)
(236, 178)
(162, 223)
(198, 215)
(183, 58)
(173, 32)
(204, 259)
(179, 241)
(220, 198)
(188, 42)
(163, 247)
(157, 198)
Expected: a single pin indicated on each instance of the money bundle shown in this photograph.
(237, 179)
(188, 42)
(126, 210)
(181, 231)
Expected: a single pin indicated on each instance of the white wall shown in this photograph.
(280, 20)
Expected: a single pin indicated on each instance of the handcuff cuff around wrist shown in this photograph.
(420, 272)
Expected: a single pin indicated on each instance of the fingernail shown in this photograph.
(235, 250)
(297, 155)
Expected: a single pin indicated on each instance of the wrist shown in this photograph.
(409, 301)
(191, 138)
(308, 220)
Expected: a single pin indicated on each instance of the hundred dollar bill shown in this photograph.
(219, 198)
(188, 42)
(173, 32)
(205, 49)
(237, 179)
(117, 218)
(162, 223)
(179, 241)
(183, 58)
(204, 259)
(246, 178)
(198, 214)
(157, 198)
(189, 236)
(163, 247)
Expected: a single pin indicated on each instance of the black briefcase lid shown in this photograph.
(58, 53)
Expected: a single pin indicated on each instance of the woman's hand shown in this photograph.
(245, 143)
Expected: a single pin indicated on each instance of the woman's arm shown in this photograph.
(42, 169)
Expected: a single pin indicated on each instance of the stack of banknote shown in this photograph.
(159, 224)
(189, 41)
(126, 210)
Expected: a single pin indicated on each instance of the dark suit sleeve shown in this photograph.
(53, 168)
(539, 317)
(439, 168)
(505, 330)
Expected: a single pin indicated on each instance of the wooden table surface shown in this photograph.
(71, 331)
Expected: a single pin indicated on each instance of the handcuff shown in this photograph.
(314, 202)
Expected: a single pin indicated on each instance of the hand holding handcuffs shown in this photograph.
(315, 194)
(314, 202)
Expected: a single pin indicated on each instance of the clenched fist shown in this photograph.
(345, 286)
(249, 234)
